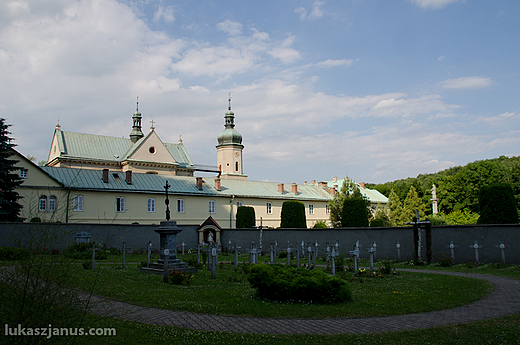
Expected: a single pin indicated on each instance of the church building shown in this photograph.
(100, 179)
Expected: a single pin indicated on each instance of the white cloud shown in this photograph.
(467, 83)
(335, 63)
(316, 11)
(231, 27)
(284, 53)
(165, 13)
(499, 119)
(432, 4)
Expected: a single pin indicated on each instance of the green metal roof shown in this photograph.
(89, 179)
(372, 194)
(112, 149)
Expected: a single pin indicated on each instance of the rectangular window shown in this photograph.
(311, 209)
(24, 173)
(327, 209)
(120, 204)
(42, 207)
(78, 202)
(52, 203)
(239, 203)
(211, 206)
(269, 208)
(180, 205)
(151, 205)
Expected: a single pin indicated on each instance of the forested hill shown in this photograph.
(458, 187)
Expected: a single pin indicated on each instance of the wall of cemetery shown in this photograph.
(488, 238)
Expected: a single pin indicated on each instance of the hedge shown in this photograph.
(288, 284)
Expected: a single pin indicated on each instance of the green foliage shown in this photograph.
(9, 253)
(349, 189)
(288, 284)
(320, 224)
(377, 223)
(458, 187)
(83, 251)
(293, 215)
(497, 204)
(444, 259)
(411, 204)
(10, 178)
(461, 217)
(354, 213)
(246, 217)
(382, 217)
(36, 220)
(180, 278)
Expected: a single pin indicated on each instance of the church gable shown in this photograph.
(151, 149)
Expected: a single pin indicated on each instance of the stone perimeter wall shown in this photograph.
(488, 237)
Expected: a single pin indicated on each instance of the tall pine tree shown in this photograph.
(9, 178)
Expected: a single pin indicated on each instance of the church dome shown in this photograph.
(229, 136)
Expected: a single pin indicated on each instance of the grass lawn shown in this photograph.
(230, 294)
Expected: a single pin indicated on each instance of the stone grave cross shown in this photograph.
(253, 254)
(327, 251)
(274, 248)
(502, 247)
(235, 248)
(476, 247)
(309, 253)
(149, 253)
(355, 254)
(316, 245)
(371, 251)
(288, 254)
(333, 256)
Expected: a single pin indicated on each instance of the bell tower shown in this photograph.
(229, 148)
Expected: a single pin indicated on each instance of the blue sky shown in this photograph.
(377, 90)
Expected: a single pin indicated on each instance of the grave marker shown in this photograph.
(355, 254)
(503, 252)
(124, 255)
(288, 254)
(476, 247)
(333, 256)
(149, 253)
(371, 251)
(398, 246)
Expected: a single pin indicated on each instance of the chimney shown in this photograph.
(304, 183)
(129, 177)
(332, 191)
(294, 188)
(335, 179)
(199, 183)
(362, 185)
(217, 184)
(313, 182)
(105, 175)
(280, 188)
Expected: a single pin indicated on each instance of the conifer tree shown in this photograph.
(411, 204)
(349, 190)
(396, 209)
(9, 179)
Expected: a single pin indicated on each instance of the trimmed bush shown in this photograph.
(377, 223)
(246, 217)
(293, 215)
(320, 224)
(497, 204)
(354, 213)
(288, 284)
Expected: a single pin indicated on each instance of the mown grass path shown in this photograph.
(502, 301)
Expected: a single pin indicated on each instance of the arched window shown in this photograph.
(42, 206)
(52, 203)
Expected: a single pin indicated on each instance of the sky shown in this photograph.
(374, 89)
